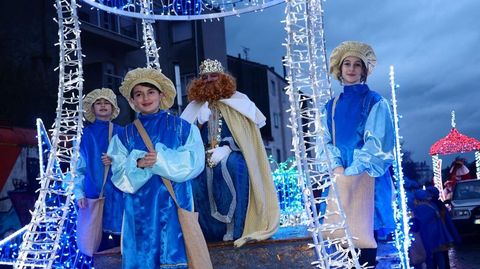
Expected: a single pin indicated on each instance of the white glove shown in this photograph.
(204, 114)
(218, 154)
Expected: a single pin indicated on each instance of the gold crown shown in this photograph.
(211, 66)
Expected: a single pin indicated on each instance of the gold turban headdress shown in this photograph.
(351, 48)
(154, 77)
(96, 94)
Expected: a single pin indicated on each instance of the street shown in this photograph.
(464, 256)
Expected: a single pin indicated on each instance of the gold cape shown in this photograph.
(263, 212)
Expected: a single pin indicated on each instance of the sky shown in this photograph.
(434, 46)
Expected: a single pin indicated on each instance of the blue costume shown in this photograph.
(364, 143)
(223, 206)
(152, 236)
(433, 231)
(90, 169)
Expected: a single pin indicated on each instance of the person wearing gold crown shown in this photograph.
(234, 195)
(152, 236)
(361, 140)
(100, 108)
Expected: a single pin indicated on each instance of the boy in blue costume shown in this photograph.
(152, 236)
(234, 195)
(364, 131)
(100, 108)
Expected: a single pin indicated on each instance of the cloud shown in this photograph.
(432, 44)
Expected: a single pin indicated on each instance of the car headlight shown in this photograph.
(461, 213)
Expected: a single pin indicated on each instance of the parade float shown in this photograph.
(48, 240)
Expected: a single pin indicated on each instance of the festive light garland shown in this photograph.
(403, 237)
(308, 91)
(68, 255)
(151, 50)
(42, 242)
(183, 10)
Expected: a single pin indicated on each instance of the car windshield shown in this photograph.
(467, 190)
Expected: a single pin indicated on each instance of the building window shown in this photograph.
(108, 21)
(110, 77)
(273, 87)
(181, 31)
(279, 156)
(276, 120)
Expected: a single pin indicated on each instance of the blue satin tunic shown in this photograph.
(364, 143)
(90, 169)
(152, 236)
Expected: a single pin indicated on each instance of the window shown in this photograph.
(273, 87)
(181, 31)
(276, 120)
(110, 77)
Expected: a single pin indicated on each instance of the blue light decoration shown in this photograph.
(68, 254)
(172, 7)
(403, 238)
(285, 178)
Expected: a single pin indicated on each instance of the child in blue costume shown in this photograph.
(435, 235)
(152, 236)
(364, 131)
(100, 108)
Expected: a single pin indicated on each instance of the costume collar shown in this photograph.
(357, 89)
(101, 122)
(149, 116)
(238, 101)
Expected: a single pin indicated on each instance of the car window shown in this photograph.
(467, 190)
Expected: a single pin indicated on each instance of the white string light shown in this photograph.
(402, 230)
(42, 240)
(151, 50)
(308, 91)
(165, 10)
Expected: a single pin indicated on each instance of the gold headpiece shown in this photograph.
(211, 66)
(96, 94)
(351, 48)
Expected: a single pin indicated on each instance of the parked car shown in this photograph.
(466, 206)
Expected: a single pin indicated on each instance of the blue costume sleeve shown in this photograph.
(376, 155)
(183, 163)
(79, 178)
(126, 175)
(331, 151)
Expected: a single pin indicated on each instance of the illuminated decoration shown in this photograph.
(151, 50)
(308, 91)
(182, 10)
(454, 142)
(289, 193)
(403, 238)
(42, 241)
(67, 254)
